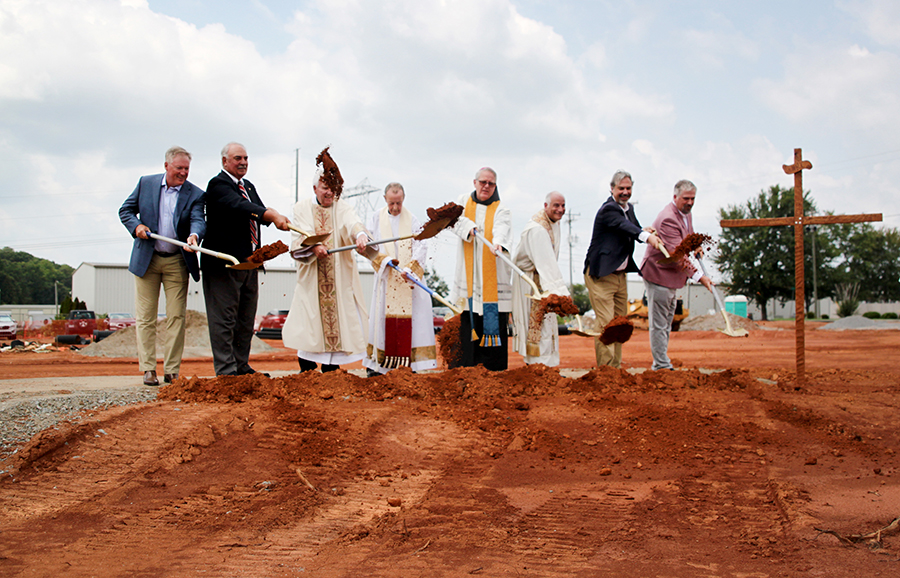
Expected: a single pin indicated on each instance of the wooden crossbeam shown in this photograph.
(798, 221)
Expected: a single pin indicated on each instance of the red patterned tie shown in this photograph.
(254, 234)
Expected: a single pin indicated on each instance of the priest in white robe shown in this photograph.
(481, 285)
(401, 322)
(537, 254)
(327, 320)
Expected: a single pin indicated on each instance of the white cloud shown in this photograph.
(881, 18)
(847, 87)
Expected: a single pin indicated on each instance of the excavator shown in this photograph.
(638, 312)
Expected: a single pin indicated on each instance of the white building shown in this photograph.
(109, 288)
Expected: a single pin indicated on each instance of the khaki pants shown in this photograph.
(609, 298)
(172, 274)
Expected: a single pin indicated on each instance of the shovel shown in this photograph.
(581, 330)
(310, 239)
(427, 289)
(728, 329)
(537, 295)
(235, 264)
(430, 229)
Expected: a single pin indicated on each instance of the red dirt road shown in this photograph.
(467, 473)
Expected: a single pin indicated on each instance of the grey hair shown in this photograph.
(228, 146)
(684, 186)
(550, 196)
(617, 178)
(391, 186)
(492, 171)
(176, 152)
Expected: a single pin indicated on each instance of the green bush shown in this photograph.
(889, 315)
(872, 315)
(824, 316)
(810, 315)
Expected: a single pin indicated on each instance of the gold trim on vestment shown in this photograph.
(328, 304)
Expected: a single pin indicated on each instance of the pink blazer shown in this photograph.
(671, 229)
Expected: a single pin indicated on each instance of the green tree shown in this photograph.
(25, 278)
(871, 258)
(581, 298)
(759, 261)
(436, 284)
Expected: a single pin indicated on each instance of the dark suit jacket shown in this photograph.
(615, 232)
(671, 229)
(228, 216)
(142, 207)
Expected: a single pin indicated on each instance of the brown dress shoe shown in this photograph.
(170, 377)
(150, 378)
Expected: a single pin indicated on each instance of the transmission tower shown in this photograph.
(363, 201)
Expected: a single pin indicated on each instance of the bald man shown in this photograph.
(537, 254)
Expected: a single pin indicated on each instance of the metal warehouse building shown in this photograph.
(109, 288)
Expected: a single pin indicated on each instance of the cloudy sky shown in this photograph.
(552, 94)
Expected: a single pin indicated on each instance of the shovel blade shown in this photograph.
(315, 239)
(245, 265)
(432, 228)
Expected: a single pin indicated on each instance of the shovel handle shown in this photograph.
(508, 261)
(718, 298)
(427, 289)
(223, 256)
(370, 243)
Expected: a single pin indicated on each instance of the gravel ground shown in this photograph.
(860, 322)
(21, 419)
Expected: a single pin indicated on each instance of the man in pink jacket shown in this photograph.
(672, 225)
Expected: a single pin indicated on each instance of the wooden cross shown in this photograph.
(798, 221)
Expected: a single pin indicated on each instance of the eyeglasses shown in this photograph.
(487, 183)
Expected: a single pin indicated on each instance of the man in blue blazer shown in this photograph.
(168, 205)
(616, 228)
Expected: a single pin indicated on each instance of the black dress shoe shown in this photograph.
(170, 377)
(150, 378)
(251, 371)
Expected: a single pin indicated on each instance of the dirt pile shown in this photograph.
(466, 472)
(715, 322)
(123, 343)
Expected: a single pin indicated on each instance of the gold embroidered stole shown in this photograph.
(488, 260)
(328, 303)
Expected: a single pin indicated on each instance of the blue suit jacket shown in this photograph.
(615, 232)
(142, 207)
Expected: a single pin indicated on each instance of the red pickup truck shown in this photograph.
(81, 322)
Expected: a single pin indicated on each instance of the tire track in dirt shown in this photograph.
(106, 453)
(356, 505)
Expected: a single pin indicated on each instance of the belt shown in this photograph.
(161, 254)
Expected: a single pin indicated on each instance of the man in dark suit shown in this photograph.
(168, 205)
(609, 259)
(234, 213)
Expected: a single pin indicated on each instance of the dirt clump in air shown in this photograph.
(267, 252)
(448, 342)
(449, 210)
(618, 330)
(331, 174)
(689, 245)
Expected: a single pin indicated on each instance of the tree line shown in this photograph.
(26, 279)
(758, 262)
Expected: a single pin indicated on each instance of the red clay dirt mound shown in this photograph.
(467, 472)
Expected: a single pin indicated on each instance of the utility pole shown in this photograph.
(572, 240)
(56, 297)
(296, 175)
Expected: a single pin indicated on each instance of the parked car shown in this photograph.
(81, 322)
(8, 327)
(439, 314)
(118, 321)
(271, 324)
